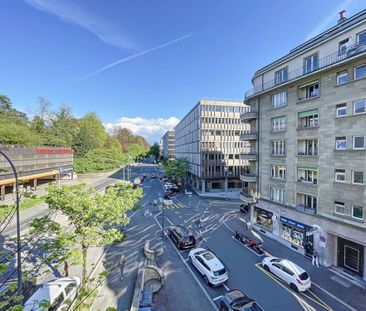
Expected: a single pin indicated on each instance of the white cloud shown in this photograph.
(151, 129)
(70, 12)
(351, 6)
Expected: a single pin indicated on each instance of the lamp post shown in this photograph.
(19, 263)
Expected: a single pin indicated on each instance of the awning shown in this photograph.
(308, 113)
(25, 178)
(307, 168)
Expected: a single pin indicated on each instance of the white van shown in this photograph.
(59, 293)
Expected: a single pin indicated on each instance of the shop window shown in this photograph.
(341, 143)
(309, 90)
(357, 212)
(339, 208)
(341, 110)
(340, 175)
(263, 218)
(357, 177)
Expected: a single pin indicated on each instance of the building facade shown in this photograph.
(34, 166)
(308, 118)
(209, 137)
(168, 145)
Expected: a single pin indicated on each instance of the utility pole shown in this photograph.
(163, 218)
(19, 262)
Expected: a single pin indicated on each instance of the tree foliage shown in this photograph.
(155, 150)
(176, 168)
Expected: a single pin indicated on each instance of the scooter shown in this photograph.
(252, 243)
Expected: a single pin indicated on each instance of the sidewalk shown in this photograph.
(322, 276)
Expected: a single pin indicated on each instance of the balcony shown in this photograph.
(249, 115)
(247, 196)
(304, 209)
(327, 61)
(249, 136)
(249, 177)
(251, 156)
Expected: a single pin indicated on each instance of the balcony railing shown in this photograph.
(249, 136)
(322, 63)
(305, 209)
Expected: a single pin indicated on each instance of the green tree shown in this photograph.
(177, 168)
(94, 218)
(155, 150)
(92, 134)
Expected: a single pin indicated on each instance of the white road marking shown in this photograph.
(217, 298)
(190, 270)
(227, 288)
(169, 221)
(334, 297)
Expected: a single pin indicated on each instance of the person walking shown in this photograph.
(121, 265)
(66, 269)
(315, 260)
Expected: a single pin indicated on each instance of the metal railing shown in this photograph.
(322, 63)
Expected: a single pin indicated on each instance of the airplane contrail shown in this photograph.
(128, 58)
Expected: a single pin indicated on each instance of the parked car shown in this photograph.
(136, 182)
(58, 292)
(171, 186)
(182, 237)
(236, 300)
(213, 271)
(289, 272)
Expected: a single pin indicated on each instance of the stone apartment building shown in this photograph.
(307, 143)
(168, 145)
(209, 137)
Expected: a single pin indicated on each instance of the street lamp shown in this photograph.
(19, 263)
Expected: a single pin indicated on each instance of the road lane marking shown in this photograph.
(190, 270)
(334, 297)
(217, 298)
(227, 288)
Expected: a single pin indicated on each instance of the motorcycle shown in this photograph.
(252, 243)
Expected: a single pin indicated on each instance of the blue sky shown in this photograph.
(143, 63)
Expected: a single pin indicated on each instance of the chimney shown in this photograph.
(342, 16)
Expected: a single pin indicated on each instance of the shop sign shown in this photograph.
(50, 151)
(293, 223)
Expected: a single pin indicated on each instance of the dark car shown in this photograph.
(182, 237)
(153, 175)
(244, 208)
(236, 300)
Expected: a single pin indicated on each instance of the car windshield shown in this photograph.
(219, 272)
(275, 260)
(189, 238)
(303, 276)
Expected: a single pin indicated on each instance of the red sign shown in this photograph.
(45, 150)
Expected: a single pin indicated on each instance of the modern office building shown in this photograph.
(308, 117)
(168, 145)
(34, 166)
(209, 137)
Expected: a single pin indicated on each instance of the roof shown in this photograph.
(347, 23)
(292, 266)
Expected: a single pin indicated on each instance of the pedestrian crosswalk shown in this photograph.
(174, 205)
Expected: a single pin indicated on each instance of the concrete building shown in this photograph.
(168, 145)
(34, 166)
(209, 137)
(308, 120)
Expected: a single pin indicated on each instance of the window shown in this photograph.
(306, 201)
(307, 175)
(69, 288)
(343, 46)
(358, 142)
(308, 147)
(341, 143)
(340, 175)
(310, 90)
(279, 124)
(281, 76)
(360, 72)
(357, 212)
(342, 77)
(311, 63)
(277, 195)
(341, 110)
(278, 171)
(361, 38)
(278, 147)
(339, 208)
(231, 156)
(357, 177)
(359, 106)
(308, 118)
(279, 99)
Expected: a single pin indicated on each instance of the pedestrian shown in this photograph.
(315, 260)
(66, 269)
(121, 265)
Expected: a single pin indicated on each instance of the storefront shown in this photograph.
(263, 218)
(296, 233)
(350, 256)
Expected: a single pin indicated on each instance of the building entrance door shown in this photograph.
(350, 256)
(309, 245)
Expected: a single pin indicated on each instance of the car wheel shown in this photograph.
(206, 280)
(294, 287)
(266, 268)
(180, 246)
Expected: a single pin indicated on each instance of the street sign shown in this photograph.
(322, 241)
